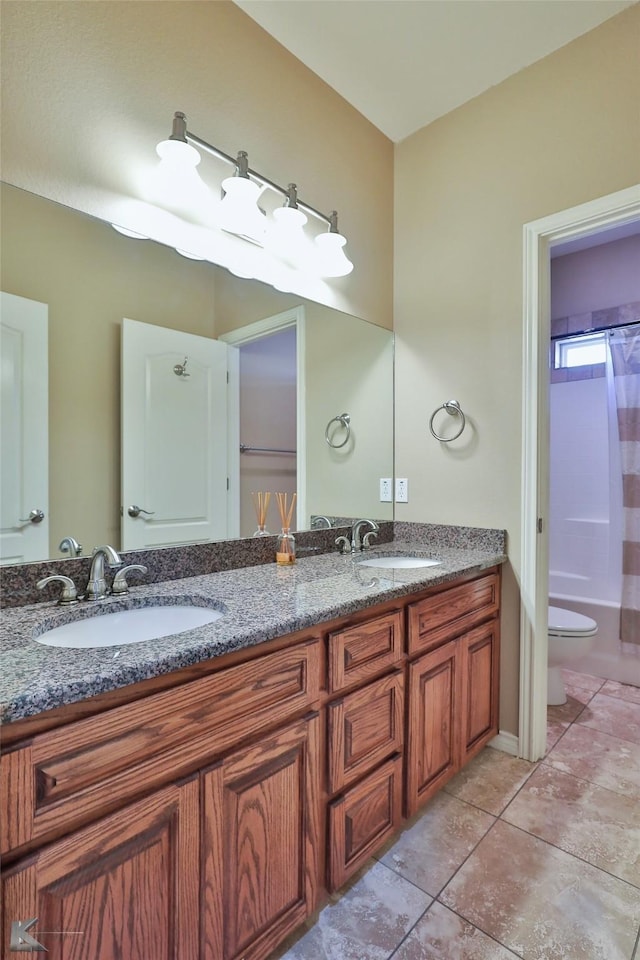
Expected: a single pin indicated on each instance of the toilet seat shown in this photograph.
(567, 623)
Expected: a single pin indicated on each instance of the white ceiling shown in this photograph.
(404, 63)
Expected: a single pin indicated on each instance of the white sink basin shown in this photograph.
(399, 563)
(128, 626)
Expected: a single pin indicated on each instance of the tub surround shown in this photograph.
(261, 603)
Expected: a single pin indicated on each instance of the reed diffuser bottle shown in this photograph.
(285, 544)
(261, 505)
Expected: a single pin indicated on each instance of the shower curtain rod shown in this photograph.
(612, 326)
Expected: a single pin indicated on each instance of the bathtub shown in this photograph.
(606, 659)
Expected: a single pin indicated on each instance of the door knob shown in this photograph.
(135, 511)
(36, 516)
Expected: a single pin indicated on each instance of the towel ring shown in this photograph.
(453, 409)
(345, 420)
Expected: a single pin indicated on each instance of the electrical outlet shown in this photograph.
(385, 490)
(402, 490)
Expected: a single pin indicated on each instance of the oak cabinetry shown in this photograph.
(260, 843)
(127, 886)
(365, 728)
(433, 730)
(361, 652)
(453, 689)
(450, 612)
(207, 820)
(362, 819)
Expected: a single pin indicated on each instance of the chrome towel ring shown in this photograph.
(453, 409)
(345, 421)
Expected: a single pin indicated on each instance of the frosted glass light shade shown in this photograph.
(239, 211)
(332, 260)
(177, 183)
(286, 238)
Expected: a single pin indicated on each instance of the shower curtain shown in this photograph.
(624, 344)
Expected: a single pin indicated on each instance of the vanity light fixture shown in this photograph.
(281, 236)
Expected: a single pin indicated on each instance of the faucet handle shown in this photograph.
(343, 544)
(69, 593)
(367, 537)
(120, 585)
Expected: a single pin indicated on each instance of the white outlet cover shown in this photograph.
(402, 490)
(385, 490)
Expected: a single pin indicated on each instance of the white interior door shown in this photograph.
(24, 430)
(174, 437)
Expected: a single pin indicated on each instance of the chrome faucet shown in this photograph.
(321, 521)
(97, 585)
(356, 543)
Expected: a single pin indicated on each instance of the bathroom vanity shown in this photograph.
(204, 813)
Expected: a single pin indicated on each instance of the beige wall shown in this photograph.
(90, 88)
(561, 132)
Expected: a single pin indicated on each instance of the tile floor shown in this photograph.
(512, 859)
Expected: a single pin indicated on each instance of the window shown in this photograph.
(580, 351)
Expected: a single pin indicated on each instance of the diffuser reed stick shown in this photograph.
(261, 505)
(286, 545)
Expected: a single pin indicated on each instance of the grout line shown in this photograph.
(636, 951)
(575, 856)
(406, 936)
(514, 953)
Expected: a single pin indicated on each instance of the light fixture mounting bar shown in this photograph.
(262, 180)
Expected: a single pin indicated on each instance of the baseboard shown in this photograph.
(507, 742)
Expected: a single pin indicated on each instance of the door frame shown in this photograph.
(295, 317)
(539, 236)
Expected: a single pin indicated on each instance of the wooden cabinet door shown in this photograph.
(480, 658)
(261, 843)
(125, 887)
(433, 733)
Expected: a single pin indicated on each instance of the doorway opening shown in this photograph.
(539, 238)
(267, 440)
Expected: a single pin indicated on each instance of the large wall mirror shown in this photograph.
(79, 288)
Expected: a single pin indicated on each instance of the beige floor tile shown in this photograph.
(368, 921)
(592, 823)
(443, 935)
(584, 680)
(577, 699)
(555, 730)
(490, 780)
(431, 849)
(600, 758)
(619, 718)
(624, 691)
(541, 902)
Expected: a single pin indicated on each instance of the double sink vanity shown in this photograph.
(198, 795)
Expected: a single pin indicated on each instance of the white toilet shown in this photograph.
(570, 636)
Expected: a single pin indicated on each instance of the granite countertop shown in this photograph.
(259, 603)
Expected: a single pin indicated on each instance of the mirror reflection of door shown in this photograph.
(174, 437)
(24, 430)
(270, 418)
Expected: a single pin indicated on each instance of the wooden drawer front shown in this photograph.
(361, 821)
(433, 737)
(96, 763)
(364, 728)
(361, 652)
(452, 612)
